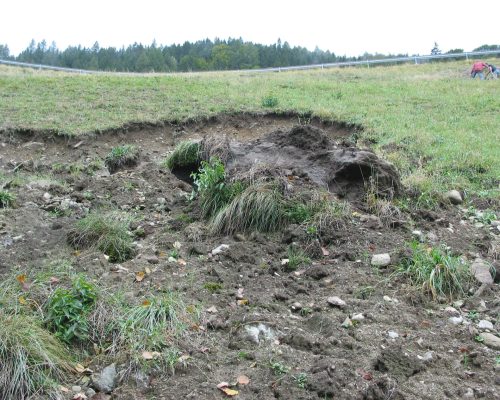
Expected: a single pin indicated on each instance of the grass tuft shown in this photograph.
(109, 232)
(6, 199)
(186, 153)
(31, 358)
(257, 208)
(436, 271)
(121, 156)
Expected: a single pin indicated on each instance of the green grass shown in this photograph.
(6, 199)
(108, 232)
(120, 156)
(436, 124)
(186, 153)
(436, 271)
(296, 258)
(257, 208)
(32, 360)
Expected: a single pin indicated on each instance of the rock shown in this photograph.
(481, 271)
(76, 389)
(456, 320)
(418, 234)
(393, 335)
(426, 357)
(490, 340)
(454, 197)
(106, 380)
(90, 393)
(152, 260)
(335, 301)
(358, 317)
(483, 324)
(296, 306)
(451, 310)
(347, 323)
(220, 249)
(257, 333)
(432, 237)
(381, 260)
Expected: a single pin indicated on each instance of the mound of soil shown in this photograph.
(306, 151)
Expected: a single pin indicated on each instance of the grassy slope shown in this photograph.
(438, 126)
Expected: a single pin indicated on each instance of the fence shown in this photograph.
(412, 59)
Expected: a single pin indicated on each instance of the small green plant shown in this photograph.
(212, 190)
(296, 258)
(364, 292)
(269, 101)
(108, 231)
(301, 380)
(244, 355)
(121, 156)
(32, 359)
(473, 315)
(305, 311)
(479, 338)
(497, 360)
(186, 153)
(279, 369)
(436, 271)
(67, 310)
(6, 199)
(213, 287)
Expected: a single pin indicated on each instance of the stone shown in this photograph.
(456, 320)
(153, 259)
(106, 380)
(393, 335)
(220, 249)
(358, 317)
(481, 271)
(296, 306)
(381, 260)
(451, 310)
(335, 301)
(490, 340)
(454, 197)
(483, 324)
(76, 389)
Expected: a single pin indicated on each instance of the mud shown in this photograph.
(285, 337)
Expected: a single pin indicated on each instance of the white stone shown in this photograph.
(358, 317)
(484, 324)
(456, 320)
(451, 310)
(454, 196)
(490, 340)
(393, 335)
(381, 260)
(220, 249)
(336, 302)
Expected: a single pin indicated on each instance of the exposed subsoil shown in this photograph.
(284, 319)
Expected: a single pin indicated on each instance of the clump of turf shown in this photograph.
(32, 360)
(436, 271)
(185, 154)
(121, 156)
(108, 232)
(257, 208)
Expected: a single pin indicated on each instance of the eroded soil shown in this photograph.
(273, 326)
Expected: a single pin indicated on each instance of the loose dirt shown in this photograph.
(273, 326)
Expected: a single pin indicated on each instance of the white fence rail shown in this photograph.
(411, 59)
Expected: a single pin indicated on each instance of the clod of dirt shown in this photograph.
(308, 152)
(394, 361)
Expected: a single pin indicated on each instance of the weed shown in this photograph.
(473, 315)
(257, 208)
(212, 190)
(186, 153)
(296, 258)
(106, 231)
(6, 199)
(301, 380)
(497, 360)
(121, 156)
(213, 287)
(364, 292)
(31, 359)
(305, 311)
(479, 338)
(244, 355)
(67, 310)
(279, 369)
(269, 101)
(436, 271)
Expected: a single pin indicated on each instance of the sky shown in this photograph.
(343, 27)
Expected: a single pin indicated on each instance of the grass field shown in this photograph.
(439, 127)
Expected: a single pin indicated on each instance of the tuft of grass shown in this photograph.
(436, 271)
(269, 101)
(186, 153)
(32, 359)
(121, 156)
(6, 199)
(108, 231)
(296, 258)
(257, 208)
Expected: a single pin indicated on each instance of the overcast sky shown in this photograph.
(343, 27)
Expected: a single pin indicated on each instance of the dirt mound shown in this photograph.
(306, 151)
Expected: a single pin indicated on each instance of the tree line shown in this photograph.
(202, 55)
